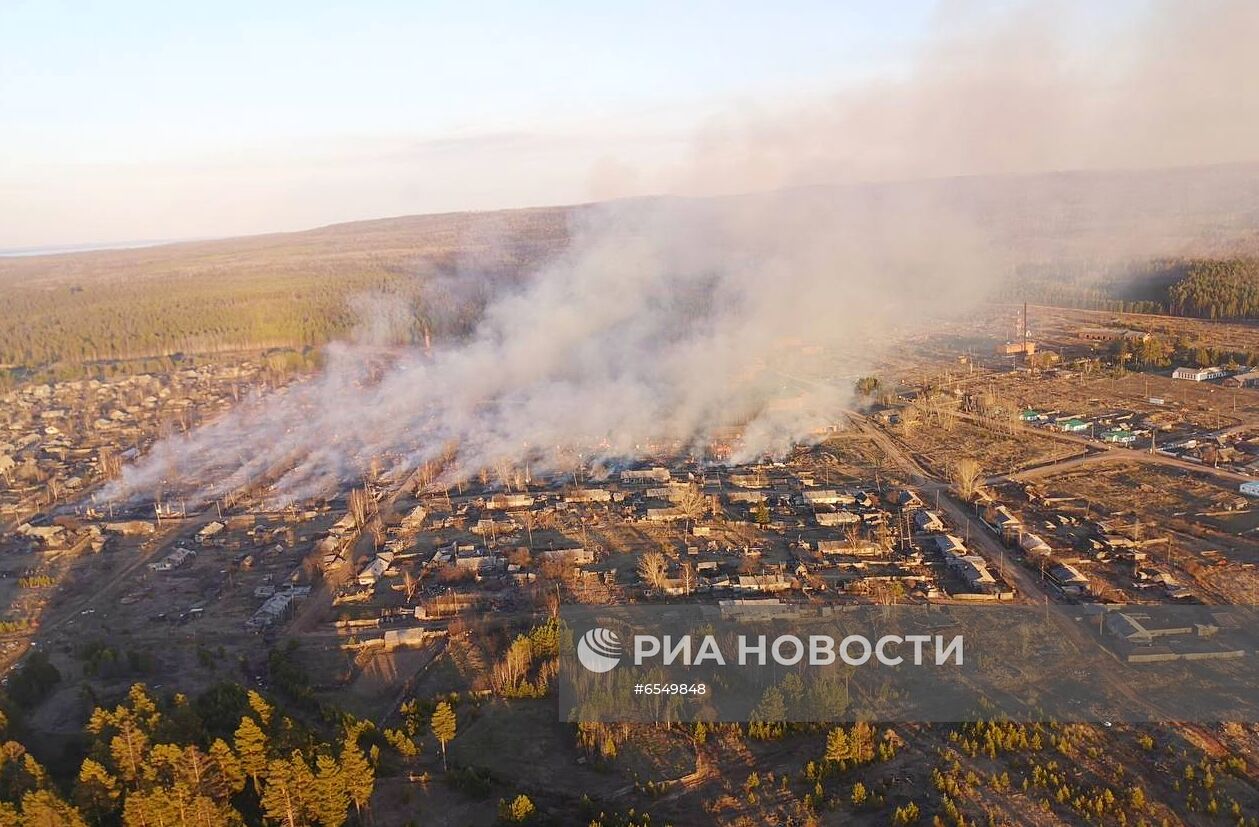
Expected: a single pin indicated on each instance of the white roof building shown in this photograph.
(1199, 374)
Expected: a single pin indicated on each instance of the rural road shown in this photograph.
(976, 534)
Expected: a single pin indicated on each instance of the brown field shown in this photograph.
(1155, 494)
(997, 452)
(1199, 405)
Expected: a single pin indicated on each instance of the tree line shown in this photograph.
(1217, 289)
(1200, 288)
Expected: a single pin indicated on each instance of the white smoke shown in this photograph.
(667, 319)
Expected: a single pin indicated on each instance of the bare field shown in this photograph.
(997, 452)
(1198, 405)
(850, 457)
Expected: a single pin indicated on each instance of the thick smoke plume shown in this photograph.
(660, 323)
(668, 319)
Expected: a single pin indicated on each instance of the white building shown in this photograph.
(824, 496)
(506, 502)
(1199, 374)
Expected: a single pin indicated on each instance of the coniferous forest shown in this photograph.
(289, 290)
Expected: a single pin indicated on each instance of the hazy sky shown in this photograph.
(130, 120)
(137, 120)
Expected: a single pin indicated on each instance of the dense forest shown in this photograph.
(1204, 288)
(1218, 289)
(286, 290)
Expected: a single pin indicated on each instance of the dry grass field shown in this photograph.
(998, 452)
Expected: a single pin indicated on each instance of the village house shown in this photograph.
(1032, 544)
(374, 570)
(479, 560)
(1004, 522)
(656, 474)
(1249, 379)
(51, 536)
(765, 583)
(948, 544)
(824, 496)
(576, 556)
(588, 495)
(927, 521)
(750, 480)
(174, 560)
(831, 519)
(276, 607)
(1068, 578)
(972, 568)
(209, 532)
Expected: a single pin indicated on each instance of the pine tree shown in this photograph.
(251, 747)
(520, 809)
(128, 749)
(330, 801)
(96, 792)
(444, 724)
(357, 774)
(43, 808)
(287, 793)
(228, 766)
(185, 783)
(861, 741)
(837, 747)
(261, 708)
(148, 807)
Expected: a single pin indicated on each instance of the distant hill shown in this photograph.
(285, 289)
(1095, 239)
